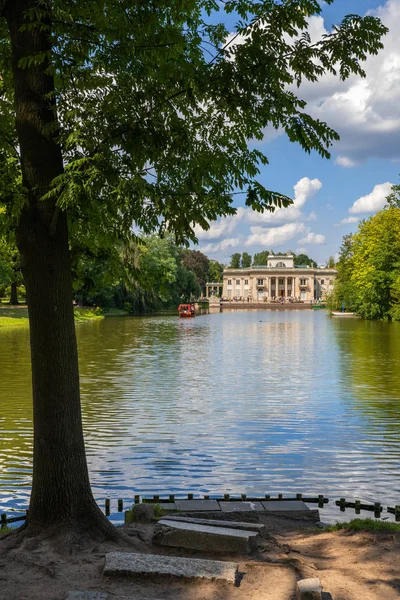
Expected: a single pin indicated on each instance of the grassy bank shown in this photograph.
(12, 318)
(365, 525)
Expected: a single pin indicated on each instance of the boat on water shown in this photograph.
(186, 311)
(318, 306)
(343, 314)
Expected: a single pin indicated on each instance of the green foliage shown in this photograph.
(365, 525)
(246, 260)
(156, 109)
(261, 258)
(198, 263)
(368, 279)
(303, 259)
(330, 263)
(215, 271)
(235, 260)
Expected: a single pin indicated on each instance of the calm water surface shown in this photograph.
(255, 402)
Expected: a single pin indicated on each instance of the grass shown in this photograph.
(12, 318)
(365, 525)
(5, 530)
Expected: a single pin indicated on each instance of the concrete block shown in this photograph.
(278, 505)
(241, 506)
(260, 528)
(197, 505)
(309, 589)
(194, 536)
(127, 563)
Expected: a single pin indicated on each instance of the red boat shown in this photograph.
(186, 311)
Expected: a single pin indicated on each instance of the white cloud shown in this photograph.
(274, 235)
(304, 190)
(346, 162)
(348, 221)
(312, 216)
(373, 201)
(222, 227)
(212, 248)
(365, 112)
(313, 238)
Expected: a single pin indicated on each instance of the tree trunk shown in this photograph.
(14, 294)
(61, 497)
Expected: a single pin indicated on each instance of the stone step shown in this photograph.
(194, 536)
(283, 505)
(258, 527)
(131, 564)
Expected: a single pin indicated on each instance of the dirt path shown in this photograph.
(360, 566)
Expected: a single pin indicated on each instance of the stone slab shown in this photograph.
(197, 505)
(194, 536)
(241, 506)
(260, 528)
(309, 589)
(277, 505)
(168, 505)
(127, 563)
(87, 595)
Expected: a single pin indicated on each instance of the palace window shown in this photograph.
(281, 281)
(260, 281)
(280, 264)
(246, 282)
(322, 281)
(289, 281)
(229, 281)
(303, 281)
(237, 281)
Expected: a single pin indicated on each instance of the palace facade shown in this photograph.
(280, 278)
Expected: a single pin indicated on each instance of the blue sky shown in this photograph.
(330, 196)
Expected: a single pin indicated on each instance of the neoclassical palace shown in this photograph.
(280, 278)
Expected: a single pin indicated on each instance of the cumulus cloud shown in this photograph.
(346, 162)
(212, 248)
(313, 238)
(347, 221)
(304, 190)
(365, 112)
(263, 236)
(223, 226)
(373, 201)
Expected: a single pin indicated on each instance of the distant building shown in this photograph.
(280, 278)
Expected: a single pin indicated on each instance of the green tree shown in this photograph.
(246, 260)
(369, 267)
(198, 263)
(121, 118)
(330, 263)
(215, 271)
(235, 260)
(303, 259)
(10, 269)
(261, 258)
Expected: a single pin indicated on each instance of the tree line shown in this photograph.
(245, 260)
(143, 276)
(368, 280)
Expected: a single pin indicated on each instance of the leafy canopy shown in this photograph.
(157, 105)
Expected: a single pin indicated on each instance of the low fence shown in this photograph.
(377, 508)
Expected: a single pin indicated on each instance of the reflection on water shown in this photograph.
(254, 402)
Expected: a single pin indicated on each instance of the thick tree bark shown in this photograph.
(61, 496)
(14, 294)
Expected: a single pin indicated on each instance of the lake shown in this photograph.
(238, 402)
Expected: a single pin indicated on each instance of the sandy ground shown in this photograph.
(362, 566)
